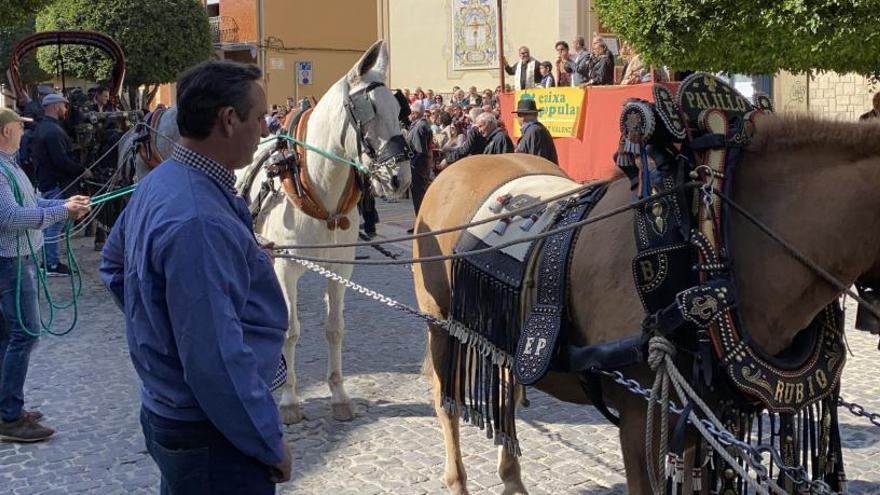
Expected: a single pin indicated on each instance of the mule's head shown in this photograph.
(371, 113)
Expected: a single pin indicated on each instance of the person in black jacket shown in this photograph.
(497, 140)
(601, 71)
(474, 143)
(101, 100)
(56, 169)
(536, 139)
(419, 139)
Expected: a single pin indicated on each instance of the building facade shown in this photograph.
(303, 47)
(439, 44)
(426, 39)
(431, 40)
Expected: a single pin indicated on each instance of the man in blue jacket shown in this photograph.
(204, 313)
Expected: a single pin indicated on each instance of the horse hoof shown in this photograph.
(291, 414)
(515, 490)
(343, 411)
(458, 490)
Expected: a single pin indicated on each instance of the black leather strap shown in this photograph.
(592, 386)
(540, 334)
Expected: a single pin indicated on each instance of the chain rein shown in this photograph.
(753, 455)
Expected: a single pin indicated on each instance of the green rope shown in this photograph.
(43, 291)
(42, 279)
(109, 196)
(322, 152)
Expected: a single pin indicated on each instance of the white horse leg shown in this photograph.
(290, 406)
(334, 329)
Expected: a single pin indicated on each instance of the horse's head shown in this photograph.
(371, 113)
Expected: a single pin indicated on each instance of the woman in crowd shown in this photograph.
(419, 96)
(489, 98)
(635, 71)
(446, 138)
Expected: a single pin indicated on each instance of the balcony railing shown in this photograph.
(224, 29)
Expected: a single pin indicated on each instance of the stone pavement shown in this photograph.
(85, 384)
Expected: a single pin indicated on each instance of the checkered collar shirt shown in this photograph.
(9, 158)
(200, 162)
(32, 215)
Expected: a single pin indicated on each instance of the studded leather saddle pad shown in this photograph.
(489, 289)
(517, 194)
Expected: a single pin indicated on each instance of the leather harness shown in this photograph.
(684, 278)
(300, 192)
(148, 148)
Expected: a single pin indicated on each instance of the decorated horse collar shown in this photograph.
(683, 266)
(684, 279)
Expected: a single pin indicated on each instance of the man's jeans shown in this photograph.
(15, 343)
(194, 458)
(53, 231)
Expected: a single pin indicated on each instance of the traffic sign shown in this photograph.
(304, 72)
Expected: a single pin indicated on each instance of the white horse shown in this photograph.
(356, 119)
(330, 128)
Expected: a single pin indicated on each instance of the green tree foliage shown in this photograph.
(10, 35)
(751, 37)
(160, 38)
(15, 12)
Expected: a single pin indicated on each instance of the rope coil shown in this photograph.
(42, 278)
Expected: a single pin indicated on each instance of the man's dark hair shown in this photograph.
(101, 89)
(206, 88)
(561, 43)
(445, 119)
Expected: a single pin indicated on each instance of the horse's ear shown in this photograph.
(375, 59)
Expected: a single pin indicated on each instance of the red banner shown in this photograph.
(591, 156)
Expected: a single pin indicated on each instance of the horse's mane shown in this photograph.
(791, 132)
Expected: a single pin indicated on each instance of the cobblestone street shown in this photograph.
(87, 388)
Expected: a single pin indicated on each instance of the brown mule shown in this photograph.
(814, 182)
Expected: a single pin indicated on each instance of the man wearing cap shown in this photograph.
(22, 215)
(419, 139)
(536, 139)
(56, 170)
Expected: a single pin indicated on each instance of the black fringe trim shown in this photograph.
(810, 439)
(478, 381)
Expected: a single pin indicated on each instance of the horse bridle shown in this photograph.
(359, 111)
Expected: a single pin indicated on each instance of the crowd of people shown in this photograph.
(188, 340)
(441, 133)
(577, 66)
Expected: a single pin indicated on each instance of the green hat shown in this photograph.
(8, 116)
